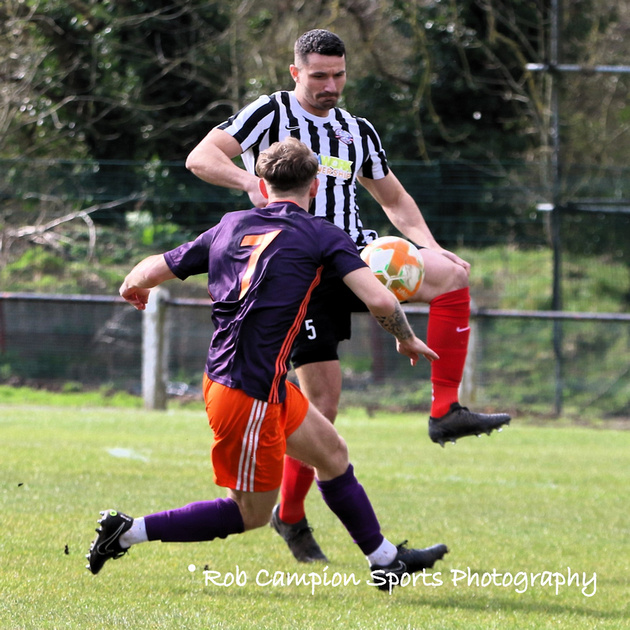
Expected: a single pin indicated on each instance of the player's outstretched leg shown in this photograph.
(406, 562)
(448, 332)
(461, 422)
(299, 538)
(106, 546)
(346, 497)
(196, 522)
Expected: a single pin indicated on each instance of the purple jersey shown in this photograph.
(262, 266)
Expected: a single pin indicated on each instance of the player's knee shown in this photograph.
(258, 520)
(457, 278)
(255, 508)
(441, 276)
(337, 459)
(341, 449)
(460, 277)
(254, 519)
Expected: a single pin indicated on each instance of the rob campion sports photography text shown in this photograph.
(519, 581)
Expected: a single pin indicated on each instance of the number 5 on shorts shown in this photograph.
(310, 327)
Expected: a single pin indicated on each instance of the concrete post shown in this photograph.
(154, 350)
(468, 386)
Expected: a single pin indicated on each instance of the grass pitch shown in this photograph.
(536, 519)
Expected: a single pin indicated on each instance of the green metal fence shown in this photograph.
(474, 206)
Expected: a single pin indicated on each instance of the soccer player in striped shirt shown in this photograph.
(349, 150)
(262, 266)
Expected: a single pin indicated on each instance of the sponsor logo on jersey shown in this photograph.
(344, 136)
(334, 166)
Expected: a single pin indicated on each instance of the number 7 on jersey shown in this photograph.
(260, 241)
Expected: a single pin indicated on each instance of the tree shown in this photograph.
(123, 79)
(443, 81)
(29, 115)
(99, 81)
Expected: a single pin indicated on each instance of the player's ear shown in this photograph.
(295, 71)
(312, 191)
(263, 188)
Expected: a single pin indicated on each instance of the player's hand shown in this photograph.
(136, 296)
(414, 348)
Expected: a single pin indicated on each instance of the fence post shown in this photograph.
(469, 384)
(378, 352)
(154, 350)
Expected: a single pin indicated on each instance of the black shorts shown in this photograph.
(327, 322)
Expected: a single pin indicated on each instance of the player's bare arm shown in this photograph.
(404, 214)
(211, 161)
(147, 274)
(396, 324)
(388, 313)
(406, 341)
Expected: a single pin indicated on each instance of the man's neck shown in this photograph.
(302, 202)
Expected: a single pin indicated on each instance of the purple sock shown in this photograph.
(203, 520)
(345, 496)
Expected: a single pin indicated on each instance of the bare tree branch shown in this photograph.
(42, 233)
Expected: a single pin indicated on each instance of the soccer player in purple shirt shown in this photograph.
(349, 151)
(262, 266)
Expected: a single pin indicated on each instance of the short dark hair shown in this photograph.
(288, 165)
(319, 41)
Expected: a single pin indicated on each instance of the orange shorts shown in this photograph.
(250, 435)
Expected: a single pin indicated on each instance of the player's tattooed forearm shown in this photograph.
(396, 324)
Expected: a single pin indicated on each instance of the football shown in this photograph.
(397, 263)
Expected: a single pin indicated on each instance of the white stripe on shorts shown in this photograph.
(247, 462)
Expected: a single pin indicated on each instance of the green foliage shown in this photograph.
(521, 278)
(123, 79)
(70, 387)
(40, 271)
(138, 79)
(36, 262)
(148, 233)
(142, 82)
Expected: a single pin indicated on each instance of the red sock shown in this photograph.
(296, 482)
(447, 333)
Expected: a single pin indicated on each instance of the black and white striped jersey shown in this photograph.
(346, 146)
